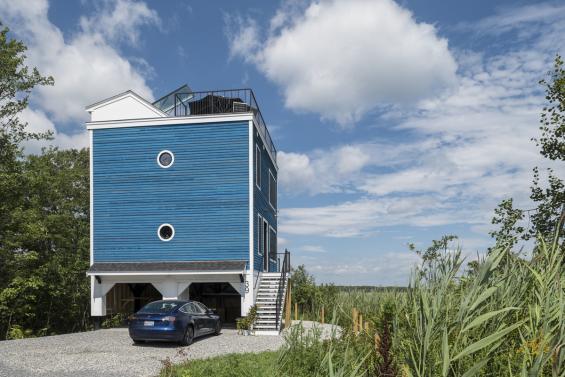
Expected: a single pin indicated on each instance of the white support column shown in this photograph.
(246, 291)
(98, 297)
(182, 286)
(171, 290)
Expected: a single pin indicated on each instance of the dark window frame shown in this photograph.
(260, 234)
(265, 237)
(271, 188)
(258, 166)
(273, 247)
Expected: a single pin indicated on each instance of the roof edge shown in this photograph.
(118, 96)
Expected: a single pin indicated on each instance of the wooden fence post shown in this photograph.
(377, 341)
(354, 315)
(296, 311)
(323, 315)
(360, 322)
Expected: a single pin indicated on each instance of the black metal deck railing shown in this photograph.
(285, 272)
(226, 101)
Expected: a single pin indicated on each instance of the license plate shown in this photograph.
(148, 323)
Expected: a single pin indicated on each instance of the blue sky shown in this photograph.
(395, 122)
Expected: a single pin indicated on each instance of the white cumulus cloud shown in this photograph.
(469, 148)
(87, 66)
(342, 59)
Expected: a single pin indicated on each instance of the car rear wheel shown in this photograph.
(218, 328)
(188, 336)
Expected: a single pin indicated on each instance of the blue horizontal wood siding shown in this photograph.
(204, 194)
(261, 201)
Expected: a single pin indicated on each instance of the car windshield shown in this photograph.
(159, 307)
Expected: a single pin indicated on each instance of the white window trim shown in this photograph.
(260, 235)
(159, 156)
(274, 179)
(258, 168)
(274, 231)
(159, 232)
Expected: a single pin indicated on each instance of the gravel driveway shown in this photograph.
(111, 353)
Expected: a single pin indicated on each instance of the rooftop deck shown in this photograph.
(184, 102)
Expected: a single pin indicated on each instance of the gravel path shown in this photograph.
(111, 353)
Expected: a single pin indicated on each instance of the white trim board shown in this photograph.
(191, 119)
(251, 165)
(121, 96)
(91, 210)
(165, 273)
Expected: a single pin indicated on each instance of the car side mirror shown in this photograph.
(210, 311)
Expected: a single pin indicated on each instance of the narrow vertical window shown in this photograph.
(272, 190)
(258, 166)
(260, 234)
(265, 237)
(273, 244)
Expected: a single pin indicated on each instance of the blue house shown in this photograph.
(184, 205)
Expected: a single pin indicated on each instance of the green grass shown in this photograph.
(233, 365)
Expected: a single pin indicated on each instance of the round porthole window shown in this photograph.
(166, 232)
(165, 159)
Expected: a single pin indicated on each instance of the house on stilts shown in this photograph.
(183, 205)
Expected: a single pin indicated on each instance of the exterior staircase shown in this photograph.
(270, 288)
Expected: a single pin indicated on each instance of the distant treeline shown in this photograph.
(370, 288)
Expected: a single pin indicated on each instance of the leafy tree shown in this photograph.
(508, 218)
(44, 208)
(549, 212)
(47, 290)
(552, 140)
(309, 296)
(436, 249)
(303, 287)
(16, 83)
(434, 253)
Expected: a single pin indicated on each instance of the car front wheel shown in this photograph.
(188, 336)
(218, 328)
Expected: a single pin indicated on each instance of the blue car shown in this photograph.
(173, 321)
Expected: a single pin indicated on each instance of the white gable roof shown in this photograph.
(126, 105)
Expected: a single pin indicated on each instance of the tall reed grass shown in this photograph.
(505, 317)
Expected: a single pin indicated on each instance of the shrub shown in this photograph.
(115, 320)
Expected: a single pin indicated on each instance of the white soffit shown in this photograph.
(127, 105)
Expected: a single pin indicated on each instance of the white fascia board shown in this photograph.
(165, 273)
(251, 196)
(148, 122)
(91, 174)
(119, 97)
